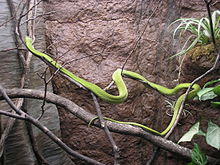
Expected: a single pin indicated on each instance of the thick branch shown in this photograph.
(115, 127)
(44, 129)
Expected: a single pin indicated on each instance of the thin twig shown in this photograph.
(31, 8)
(207, 3)
(6, 21)
(140, 36)
(10, 49)
(109, 86)
(107, 132)
(44, 78)
(40, 15)
(62, 74)
(46, 82)
(13, 14)
(10, 114)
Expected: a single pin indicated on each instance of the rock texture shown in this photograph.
(94, 38)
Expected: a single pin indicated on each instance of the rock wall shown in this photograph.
(94, 38)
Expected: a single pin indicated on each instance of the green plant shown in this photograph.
(209, 93)
(199, 29)
(212, 134)
(198, 157)
(213, 131)
(212, 137)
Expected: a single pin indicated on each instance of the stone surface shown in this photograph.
(94, 38)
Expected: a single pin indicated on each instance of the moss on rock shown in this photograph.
(205, 52)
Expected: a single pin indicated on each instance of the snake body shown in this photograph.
(122, 89)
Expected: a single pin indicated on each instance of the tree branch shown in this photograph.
(107, 132)
(44, 129)
(115, 127)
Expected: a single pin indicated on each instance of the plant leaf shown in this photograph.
(199, 28)
(198, 157)
(216, 90)
(189, 135)
(187, 49)
(210, 83)
(215, 104)
(206, 94)
(213, 135)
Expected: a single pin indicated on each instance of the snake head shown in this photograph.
(27, 40)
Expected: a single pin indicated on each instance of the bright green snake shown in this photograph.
(122, 89)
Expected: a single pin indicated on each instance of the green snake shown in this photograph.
(122, 89)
